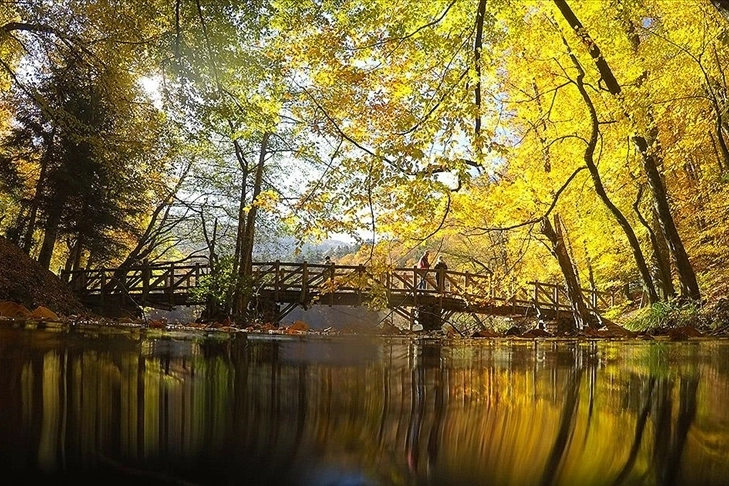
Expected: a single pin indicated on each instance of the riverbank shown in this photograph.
(526, 329)
(32, 296)
(24, 282)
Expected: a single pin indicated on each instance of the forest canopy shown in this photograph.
(554, 140)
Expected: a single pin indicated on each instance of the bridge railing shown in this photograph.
(287, 277)
(154, 281)
(161, 282)
(555, 296)
(478, 289)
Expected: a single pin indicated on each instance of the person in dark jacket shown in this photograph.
(440, 267)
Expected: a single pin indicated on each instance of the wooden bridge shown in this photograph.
(425, 296)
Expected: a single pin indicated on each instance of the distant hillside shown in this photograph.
(285, 249)
(24, 281)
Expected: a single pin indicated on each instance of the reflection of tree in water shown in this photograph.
(568, 419)
(407, 412)
(640, 424)
(669, 442)
(670, 432)
(430, 358)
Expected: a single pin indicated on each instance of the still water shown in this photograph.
(133, 408)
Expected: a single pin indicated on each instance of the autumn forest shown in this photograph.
(579, 142)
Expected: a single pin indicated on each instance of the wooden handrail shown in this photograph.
(312, 279)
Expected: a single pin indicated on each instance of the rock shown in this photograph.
(13, 309)
(388, 329)
(513, 331)
(157, 324)
(485, 333)
(531, 333)
(452, 332)
(41, 312)
(299, 326)
(683, 333)
(612, 330)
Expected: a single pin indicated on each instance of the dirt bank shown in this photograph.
(24, 281)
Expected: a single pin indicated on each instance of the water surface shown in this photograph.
(135, 408)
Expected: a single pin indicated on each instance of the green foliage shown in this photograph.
(216, 287)
(669, 313)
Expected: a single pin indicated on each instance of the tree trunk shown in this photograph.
(687, 277)
(50, 235)
(660, 253)
(235, 292)
(249, 233)
(35, 202)
(723, 150)
(640, 261)
(580, 312)
(78, 251)
(478, 45)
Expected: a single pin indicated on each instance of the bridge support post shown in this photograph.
(103, 289)
(430, 316)
(304, 284)
(266, 310)
(146, 277)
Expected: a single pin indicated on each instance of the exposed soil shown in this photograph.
(24, 281)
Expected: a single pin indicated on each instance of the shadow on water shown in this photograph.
(249, 409)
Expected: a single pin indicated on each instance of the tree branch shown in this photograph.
(546, 213)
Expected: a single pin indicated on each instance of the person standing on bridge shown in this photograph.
(328, 262)
(441, 268)
(423, 264)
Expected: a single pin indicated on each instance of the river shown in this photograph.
(129, 406)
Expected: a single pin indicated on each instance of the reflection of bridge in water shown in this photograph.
(427, 296)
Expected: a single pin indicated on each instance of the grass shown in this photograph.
(664, 314)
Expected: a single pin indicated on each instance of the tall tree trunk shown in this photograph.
(649, 160)
(50, 235)
(477, 46)
(719, 130)
(78, 251)
(580, 312)
(234, 295)
(661, 257)
(687, 277)
(35, 202)
(249, 231)
(588, 157)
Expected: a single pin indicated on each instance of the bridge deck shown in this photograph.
(293, 284)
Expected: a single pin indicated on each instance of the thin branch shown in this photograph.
(478, 45)
(446, 211)
(545, 214)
